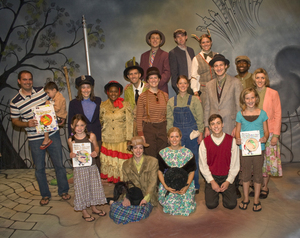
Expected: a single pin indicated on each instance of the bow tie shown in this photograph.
(210, 54)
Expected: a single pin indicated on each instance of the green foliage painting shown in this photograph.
(29, 39)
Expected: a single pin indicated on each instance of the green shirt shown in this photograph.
(261, 94)
(195, 107)
(246, 81)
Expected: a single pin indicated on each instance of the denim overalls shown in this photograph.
(185, 121)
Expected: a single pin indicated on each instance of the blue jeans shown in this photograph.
(185, 121)
(55, 152)
(194, 147)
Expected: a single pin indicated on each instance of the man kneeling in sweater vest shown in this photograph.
(219, 164)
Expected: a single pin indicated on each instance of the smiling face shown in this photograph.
(26, 82)
(174, 139)
(86, 90)
(79, 127)
(134, 76)
(250, 100)
(155, 40)
(260, 80)
(113, 93)
(242, 66)
(153, 81)
(205, 44)
(138, 151)
(182, 85)
(216, 127)
(180, 39)
(220, 68)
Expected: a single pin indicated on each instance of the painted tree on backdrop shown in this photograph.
(29, 39)
(37, 34)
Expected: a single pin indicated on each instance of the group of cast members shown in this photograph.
(142, 137)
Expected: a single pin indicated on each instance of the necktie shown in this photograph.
(152, 59)
(136, 96)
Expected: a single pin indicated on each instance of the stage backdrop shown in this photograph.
(44, 36)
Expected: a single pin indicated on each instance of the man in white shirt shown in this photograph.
(219, 164)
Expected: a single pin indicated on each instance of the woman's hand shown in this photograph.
(274, 141)
(126, 202)
(263, 140)
(171, 190)
(144, 139)
(184, 189)
(143, 202)
(238, 141)
(94, 154)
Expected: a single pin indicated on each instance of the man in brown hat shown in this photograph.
(243, 64)
(133, 73)
(180, 58)
(223, 94)
(155, 57)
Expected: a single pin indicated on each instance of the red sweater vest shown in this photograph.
(218, 156)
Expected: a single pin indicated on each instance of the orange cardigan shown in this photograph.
(272, 107)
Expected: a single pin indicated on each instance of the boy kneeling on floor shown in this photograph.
(219, 164)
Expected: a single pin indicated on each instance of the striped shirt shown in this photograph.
(151, 108)
(21, 108)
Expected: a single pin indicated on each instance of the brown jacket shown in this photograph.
(146, 180)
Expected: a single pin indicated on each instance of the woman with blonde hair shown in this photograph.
(176, 201)
(270, 103)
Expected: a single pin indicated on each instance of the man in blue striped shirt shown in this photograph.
(22, 116)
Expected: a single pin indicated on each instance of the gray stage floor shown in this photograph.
(21, 215)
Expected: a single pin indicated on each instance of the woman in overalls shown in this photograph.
(185, 112)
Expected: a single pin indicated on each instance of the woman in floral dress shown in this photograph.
(176, 202)
(270, 103)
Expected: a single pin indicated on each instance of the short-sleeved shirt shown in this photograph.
(254, 125)
(21, 107)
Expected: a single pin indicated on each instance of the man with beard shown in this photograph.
(243, 64)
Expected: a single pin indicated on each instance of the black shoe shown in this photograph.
(238, 193)
(263, 194)
(197, 191)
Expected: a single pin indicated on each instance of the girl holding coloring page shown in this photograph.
(249, 119)
(88, 188)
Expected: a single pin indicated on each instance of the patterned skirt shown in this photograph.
(123, 215)
(112, 157)
(88, 188)
(272, 162)
(177, 204)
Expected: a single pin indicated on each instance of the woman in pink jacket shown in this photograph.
(270, 103)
